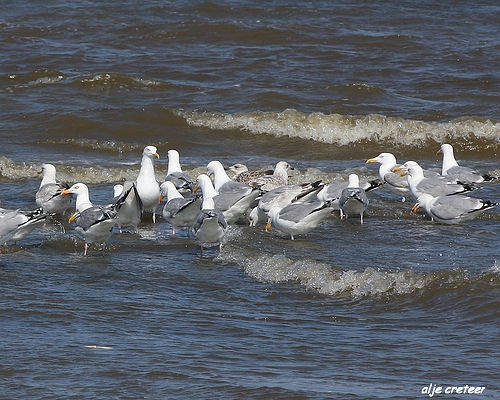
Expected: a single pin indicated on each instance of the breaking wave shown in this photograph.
(467, 132)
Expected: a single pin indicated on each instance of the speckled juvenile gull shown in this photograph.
(147, 186)
(353, 199)
(49, 197)
(277, 179)
(298, 218)
(181, 180)
(452, 209)
(15, 225)
(93, 223)
(210, 225)
(242, 174)
(435, 186)
(450, 168)
(179, 211)
(233, 203)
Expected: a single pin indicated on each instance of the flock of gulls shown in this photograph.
(214, 201)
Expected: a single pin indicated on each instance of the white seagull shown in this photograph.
(396, 183)
(298, 218)
(353, 199)
(16, 224)
(182, 181)
(93, 223)
(331, 192)
(210, 225)
(451, 168)
(49, 197)
(128, 206)
(282, 197)
(234, 198)
(233, 204)
(452, 209)
(435, 186)
(179, 211)
(147, 186)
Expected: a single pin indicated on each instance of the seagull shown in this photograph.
(396, 183)
(210, 225)
(128, 206)
(451, 168)
(298, 218)
(182, 181)
(179, 211)
(277, 179)
(435, 186)
(234, 198)
(283, 196)
(233, 204)
(353, 199)
(146, 183)
(242, 174)
(15, 225)
(93, 223)
(452, 209)
(332, 192)
(48, 197)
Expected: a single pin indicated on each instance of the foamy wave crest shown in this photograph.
(347, 129)
(332, 281)
(326, 279)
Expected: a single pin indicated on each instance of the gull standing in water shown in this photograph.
(234, 198)
(396, 183)
(282, 197)
(353, 199)
(331, 192)
(16, 224)
(49, 195)
(232, 204)
(450, 168)
(147, 186)
(129, 206)
(93, 223)
(179, 211)
(298, 218)
(277, 179)
(210, 225)
(452, 209)
(435, 186)
(181, 180)
(242, 174)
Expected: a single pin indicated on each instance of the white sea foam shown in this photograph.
(348, 129)
(326, 279)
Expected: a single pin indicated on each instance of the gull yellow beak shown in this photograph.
(157, 155)
(73, 217)
(268, 226)
(397, 169)
(371, 160)
(65, 192)
(196, 188)
(415, 208)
